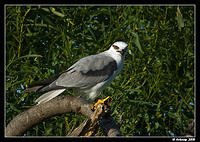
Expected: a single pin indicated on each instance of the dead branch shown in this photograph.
(36, 114)
(60, 105)
(89, 126)
(101, 117)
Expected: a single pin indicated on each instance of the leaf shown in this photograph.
(179, 18)
(19, 58)
(137, 42)
(158, 106)
(156, 125)
(142, 102)
(52, 10)
(28, 56)
(172, 115)
(136, 90)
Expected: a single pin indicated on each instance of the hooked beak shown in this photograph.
(122, 52)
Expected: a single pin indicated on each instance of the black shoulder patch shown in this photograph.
(107, 70)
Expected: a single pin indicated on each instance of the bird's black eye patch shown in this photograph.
(115, 47)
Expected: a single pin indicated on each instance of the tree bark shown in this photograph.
(60, 105)
(101, 117)
(37, 113)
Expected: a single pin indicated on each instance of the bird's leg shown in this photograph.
(99, 102)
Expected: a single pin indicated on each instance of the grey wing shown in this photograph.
(88, 72)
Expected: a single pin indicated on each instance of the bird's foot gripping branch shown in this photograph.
(106, 101)
(90, 126)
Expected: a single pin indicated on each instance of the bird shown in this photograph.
(88, 77)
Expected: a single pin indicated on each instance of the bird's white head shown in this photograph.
(119, 48)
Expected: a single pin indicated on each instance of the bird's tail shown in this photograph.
(33, 89)
(49, 95)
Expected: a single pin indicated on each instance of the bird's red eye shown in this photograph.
(115, 47)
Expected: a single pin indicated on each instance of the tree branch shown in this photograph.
(60, 105)
(101, 117)
(36, 114)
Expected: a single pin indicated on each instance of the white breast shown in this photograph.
(94, 91)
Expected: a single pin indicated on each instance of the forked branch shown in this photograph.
(61, 105)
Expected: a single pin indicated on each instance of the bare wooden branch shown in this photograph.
(101, 114)
(60, 105)
(36, 114)
(88, 127)
(77, 131)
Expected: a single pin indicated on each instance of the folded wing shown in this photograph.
(85, 73)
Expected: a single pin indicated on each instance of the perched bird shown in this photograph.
(87, 77)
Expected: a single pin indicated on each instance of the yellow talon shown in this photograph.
(100, 102)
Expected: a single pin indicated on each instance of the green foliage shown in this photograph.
(155, 90)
